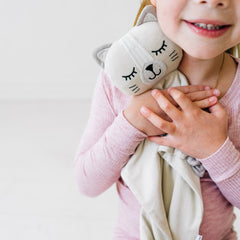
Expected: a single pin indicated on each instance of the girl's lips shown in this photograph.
(206, 28)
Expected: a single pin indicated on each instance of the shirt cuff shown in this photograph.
(224, 163)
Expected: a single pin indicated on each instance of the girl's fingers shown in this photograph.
(165, 126)
(182, 100)
(192, 88)
(172, 111)
(218, 110)
(206, 103)
(200, 95)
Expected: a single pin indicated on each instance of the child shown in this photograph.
(205, 30)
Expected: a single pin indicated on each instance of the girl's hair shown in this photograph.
(235, 51)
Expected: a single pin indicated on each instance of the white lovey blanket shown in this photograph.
(167, 188)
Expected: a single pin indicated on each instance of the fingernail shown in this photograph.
(212, 99)
(216, 92)
(144, 111)
(207, 88)
(155, 92)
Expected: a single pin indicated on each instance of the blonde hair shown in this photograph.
(235, 51)
(143, 4)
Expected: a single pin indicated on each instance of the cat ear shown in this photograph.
(100, 54)
(148, 14)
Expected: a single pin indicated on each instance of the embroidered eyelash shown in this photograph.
(162, 48)
(130, 76)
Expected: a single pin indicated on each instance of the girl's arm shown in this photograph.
(224, 169)
(109, 139)
(106, 145)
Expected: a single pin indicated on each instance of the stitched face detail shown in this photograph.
(153, 72)
(141, 58)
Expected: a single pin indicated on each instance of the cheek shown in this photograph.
(168, 18)
(237, 29)
(168, 27)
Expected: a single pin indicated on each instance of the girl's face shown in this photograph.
(203, 29)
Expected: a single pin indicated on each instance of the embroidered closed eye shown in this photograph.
(130, 76)
(161, 49)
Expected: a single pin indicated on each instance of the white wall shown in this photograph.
(46, 45)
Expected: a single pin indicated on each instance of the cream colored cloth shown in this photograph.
(166, 187)
(168, 190)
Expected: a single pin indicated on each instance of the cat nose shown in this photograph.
(149, 68)
(153, 72)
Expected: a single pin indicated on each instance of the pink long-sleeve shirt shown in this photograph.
(109, 140)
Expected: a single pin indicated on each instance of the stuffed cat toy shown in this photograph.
(143, 58)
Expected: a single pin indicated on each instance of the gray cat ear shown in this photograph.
(100, 54)
(148, 14)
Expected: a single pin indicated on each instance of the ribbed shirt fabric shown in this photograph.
(109, 140)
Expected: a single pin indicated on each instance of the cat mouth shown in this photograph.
(153, 72)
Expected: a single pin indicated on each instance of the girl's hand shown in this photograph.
(202, 96)
(192, 130)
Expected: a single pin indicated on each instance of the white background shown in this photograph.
(46, 45)
(47, 75)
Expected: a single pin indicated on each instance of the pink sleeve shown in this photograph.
(106, 145)
(224, 169)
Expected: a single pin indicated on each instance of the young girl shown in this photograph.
(205, 30)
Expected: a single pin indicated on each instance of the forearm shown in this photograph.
(98, 167)
(224, 169)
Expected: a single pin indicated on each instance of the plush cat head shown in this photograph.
(141, 58)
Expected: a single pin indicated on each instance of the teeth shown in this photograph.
(207, 26)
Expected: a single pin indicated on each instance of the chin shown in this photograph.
(203, 54)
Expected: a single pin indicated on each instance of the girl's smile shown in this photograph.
(207, 28)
